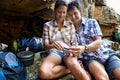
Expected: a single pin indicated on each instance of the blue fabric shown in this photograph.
(58, 53)
(2, 76)
(11, 60)
(111, 64)
(35, 44)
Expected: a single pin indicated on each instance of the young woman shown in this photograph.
(57, 35)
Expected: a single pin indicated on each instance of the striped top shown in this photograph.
(67, 31)
(88, 29)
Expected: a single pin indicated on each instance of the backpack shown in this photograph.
(10, 67)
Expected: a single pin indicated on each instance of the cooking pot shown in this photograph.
(27, 57)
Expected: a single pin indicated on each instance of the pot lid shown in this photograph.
(25, 54)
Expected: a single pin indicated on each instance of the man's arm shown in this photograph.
(79, 49)
(95, 44)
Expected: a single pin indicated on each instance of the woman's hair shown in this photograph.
(73, 4)
(60, 3)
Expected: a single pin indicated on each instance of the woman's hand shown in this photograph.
(76, 50)
(57, 45)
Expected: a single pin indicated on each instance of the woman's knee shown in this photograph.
(71, 61)
(43, 73)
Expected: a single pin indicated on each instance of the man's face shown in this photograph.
(74, 14)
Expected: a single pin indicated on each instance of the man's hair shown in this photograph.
(60, 3)
(73, 4)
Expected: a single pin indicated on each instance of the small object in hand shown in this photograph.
(64, 52)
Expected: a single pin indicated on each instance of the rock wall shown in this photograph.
(16, 16)
(107, 19)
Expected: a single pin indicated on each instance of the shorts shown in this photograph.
(112, 63)
(57, 53)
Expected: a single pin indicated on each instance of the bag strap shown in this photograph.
(2, 76)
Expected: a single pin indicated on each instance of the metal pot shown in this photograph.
(27, 57)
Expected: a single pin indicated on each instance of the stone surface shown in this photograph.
(107, 30)
(23, 7)
(106, 15)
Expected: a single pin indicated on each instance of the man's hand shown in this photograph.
(76, 50)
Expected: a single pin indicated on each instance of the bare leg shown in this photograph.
(98, 71)
(116, 74)
(78, 72)
(51, 68)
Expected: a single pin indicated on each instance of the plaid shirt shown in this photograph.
(50, 29)
(88, 29)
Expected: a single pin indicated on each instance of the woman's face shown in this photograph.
(60, 13)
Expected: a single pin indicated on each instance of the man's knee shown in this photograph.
(116, 74)
(101, 77)
(101, 73)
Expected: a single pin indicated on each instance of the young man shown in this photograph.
(96, 56)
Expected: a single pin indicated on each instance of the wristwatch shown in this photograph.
(86, 49)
